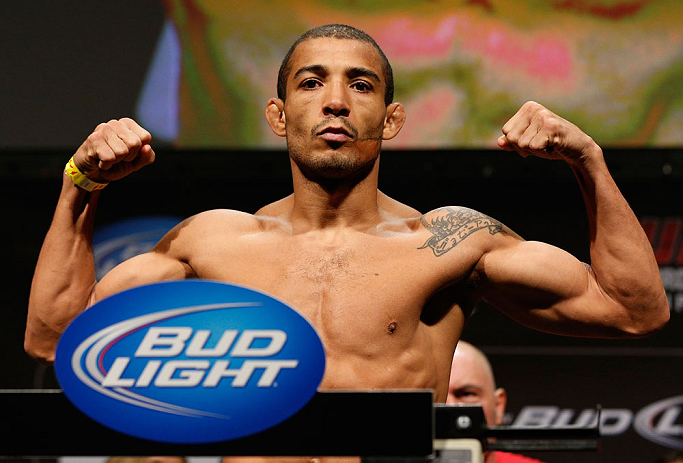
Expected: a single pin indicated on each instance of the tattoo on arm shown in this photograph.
(450, 226)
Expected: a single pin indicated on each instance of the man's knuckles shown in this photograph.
(144, 136)
(109, 138)
(531, 107)
(538, 144)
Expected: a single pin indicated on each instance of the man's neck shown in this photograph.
(334, 202)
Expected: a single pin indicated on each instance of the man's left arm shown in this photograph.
(621, 292)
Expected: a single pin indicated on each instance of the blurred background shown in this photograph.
(197, 74)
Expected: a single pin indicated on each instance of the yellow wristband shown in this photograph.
(79, 178)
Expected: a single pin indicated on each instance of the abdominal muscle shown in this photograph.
(391, 363)
(386, 365)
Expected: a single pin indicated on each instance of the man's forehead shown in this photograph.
(331, 52)
(469, 368)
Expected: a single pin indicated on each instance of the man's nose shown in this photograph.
(336, 101)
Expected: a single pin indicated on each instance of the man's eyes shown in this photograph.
(466, 394)
(310, 83)
(361, 86)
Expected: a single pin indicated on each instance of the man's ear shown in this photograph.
(275, 114)
(501, 399)
(396, 116)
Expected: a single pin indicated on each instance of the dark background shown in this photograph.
(55, 86)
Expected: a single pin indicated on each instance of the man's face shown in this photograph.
(334, 110)
(472, 383)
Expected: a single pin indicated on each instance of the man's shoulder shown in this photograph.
(456, 214)
(396, 208)
(459, 220)
(227, 221)
(276, 208)
(449, 226)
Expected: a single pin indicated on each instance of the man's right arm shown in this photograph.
(64, 282)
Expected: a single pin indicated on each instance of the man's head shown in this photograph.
(472, 383)
(337, 31)
(333, 106)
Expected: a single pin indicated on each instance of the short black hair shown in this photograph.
(337, 31)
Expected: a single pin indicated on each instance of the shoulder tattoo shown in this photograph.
(449, 226)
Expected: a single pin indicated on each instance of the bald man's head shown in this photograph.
(472, 383)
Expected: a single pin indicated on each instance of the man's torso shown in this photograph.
(388, 310)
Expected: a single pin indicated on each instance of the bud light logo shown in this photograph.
(190, 361)
(661, 422)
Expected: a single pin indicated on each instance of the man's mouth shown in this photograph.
(336, 134)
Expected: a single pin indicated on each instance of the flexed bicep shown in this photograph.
(147, 268)
(548, 289)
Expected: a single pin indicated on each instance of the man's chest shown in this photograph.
(366, 283)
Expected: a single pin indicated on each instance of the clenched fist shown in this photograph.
(535, 130)
(114, 150)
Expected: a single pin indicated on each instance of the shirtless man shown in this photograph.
(388, 288)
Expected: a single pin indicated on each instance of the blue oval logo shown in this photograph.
(190, 361)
